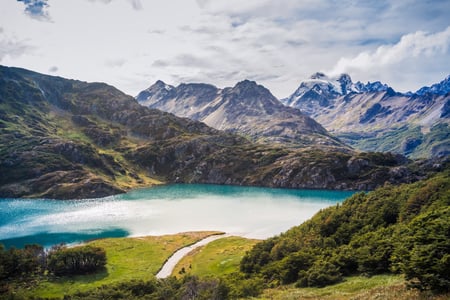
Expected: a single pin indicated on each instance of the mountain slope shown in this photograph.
(247, 108)
(373, 117)
(402, 228)
(63, 138)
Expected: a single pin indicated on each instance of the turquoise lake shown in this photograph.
(246, 211)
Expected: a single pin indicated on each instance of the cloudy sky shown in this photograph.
(132, 43)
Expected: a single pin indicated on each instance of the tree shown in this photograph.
(424, 254)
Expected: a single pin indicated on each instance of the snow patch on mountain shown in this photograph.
(321, 89)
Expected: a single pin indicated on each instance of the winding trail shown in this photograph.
(170, 264)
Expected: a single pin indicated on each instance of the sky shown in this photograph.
(132, 43)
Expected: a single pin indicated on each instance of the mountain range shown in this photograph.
(62, 138)
(374, 117)
(247, 108)
(367, 117)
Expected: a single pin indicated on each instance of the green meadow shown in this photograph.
(138, 258)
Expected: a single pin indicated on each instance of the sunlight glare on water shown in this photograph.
(245, 211)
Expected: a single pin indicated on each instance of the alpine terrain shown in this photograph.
(374, 117)
(62, 138)
(247, 108)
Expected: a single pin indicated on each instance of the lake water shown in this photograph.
(246, 211)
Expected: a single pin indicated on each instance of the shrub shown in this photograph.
(77, 260)
(21, 262)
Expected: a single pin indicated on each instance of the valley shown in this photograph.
(66, 139)
(224, 149)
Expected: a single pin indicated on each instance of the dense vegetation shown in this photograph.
(24, 264)
(403, 229)
(16, 263)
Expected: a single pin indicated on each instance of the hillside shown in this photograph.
(63, 138)
(373, 117)
(247, 108)
(400, 229)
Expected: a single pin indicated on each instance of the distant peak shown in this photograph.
(441, 88)
(246, 82)
(160, 82)
(344, 78)
(158, 87)
(249, 88)
(318, 75)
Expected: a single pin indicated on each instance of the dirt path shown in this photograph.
(170, 264)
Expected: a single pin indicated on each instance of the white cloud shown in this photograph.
(115, 62)
(414, 50)
(12, 47)
(132, 43)
(136, 4)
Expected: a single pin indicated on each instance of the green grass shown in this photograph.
(217, 258)
(386, 287)
(127, 259)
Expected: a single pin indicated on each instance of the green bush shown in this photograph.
(21, 262)
(77, 260)
(320, 274)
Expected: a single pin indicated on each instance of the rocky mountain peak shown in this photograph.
(346, 83)
(248, 88)
(371, 87)
(345, 78)
(159, 83)
(441, 88)
(159, 88)
(247, 108)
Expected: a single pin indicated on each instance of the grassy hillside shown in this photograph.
(217, 258)
(386, 287)
(413, 141)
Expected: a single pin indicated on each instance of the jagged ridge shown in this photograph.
(374, 117)
(247, 108)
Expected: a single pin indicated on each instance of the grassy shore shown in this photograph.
(128, 259)
(141, 258)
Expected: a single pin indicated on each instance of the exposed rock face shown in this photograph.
(64, 139)
(247, 108)
(373, 117)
